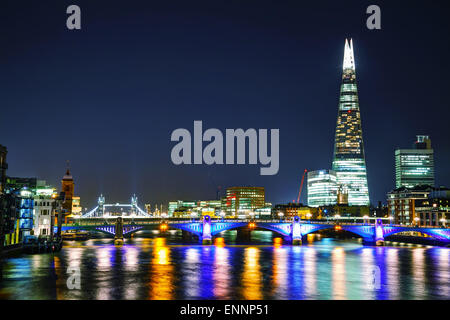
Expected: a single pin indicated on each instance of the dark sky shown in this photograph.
(107, 97)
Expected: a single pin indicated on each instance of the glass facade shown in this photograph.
(186, 207)
(322, 188)
(26, 210)
(349, 160)
(415, 167)
(243, 200)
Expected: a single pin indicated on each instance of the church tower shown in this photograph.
(67, 186)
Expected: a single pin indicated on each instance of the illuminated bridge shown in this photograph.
(205, 229)
(116, 209)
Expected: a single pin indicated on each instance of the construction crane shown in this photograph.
(301, 186)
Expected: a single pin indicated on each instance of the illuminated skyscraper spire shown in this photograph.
(349, 58)
(349, 161)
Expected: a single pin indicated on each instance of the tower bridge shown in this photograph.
(116, 209)
(293, 231)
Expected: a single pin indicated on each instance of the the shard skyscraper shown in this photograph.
(348, 160)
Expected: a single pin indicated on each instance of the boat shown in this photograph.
(75, 235)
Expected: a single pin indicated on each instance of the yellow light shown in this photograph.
(219, 242)
(337, 228)
(277, 242)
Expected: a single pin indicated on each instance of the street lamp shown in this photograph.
(365, 219)
(390, 219)
(281, 214)
(252, 215)
(222, 214)
(308, 216)
(444, 221)
(417, 219)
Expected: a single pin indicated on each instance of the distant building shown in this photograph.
(415, 166)
(175, 205)
(23, 190)
(343, 210)
(9, 214)
(26, 211)
(36, 201)
(291, 210)
(342, 196)
(76, 206)
(45, 204)
(15, 184)
(435, 210)
(402, 203)
(67, 186)
(184, 208)
(241, 201)
(322, 188)
(380, 211)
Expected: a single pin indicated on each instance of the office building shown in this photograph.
(415, 166)
(349, 160)
(243, 201)
(322, 188)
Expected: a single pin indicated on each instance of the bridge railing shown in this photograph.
(151, 221)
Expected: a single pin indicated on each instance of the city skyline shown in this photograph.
(110, 109)
(224, 155)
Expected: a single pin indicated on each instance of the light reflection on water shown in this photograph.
(159, 268)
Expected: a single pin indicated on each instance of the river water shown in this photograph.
(153, 267)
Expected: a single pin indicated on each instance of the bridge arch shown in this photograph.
(438, 234)
(283, 229)
(365, 232)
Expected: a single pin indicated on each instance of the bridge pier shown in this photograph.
(206, 231)
(118, 232)
(296, 233)
(377, 238)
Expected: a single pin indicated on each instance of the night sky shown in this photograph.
(107, 97)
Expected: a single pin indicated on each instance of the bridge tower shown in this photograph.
(101, 206)
(379, 235)
(206, 230)
(296, 231)
(134, 204)
(118, 235)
